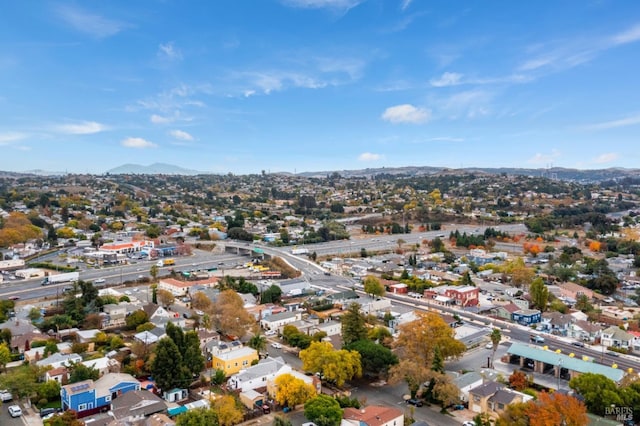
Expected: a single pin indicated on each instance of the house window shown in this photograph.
(500, 406)
(245, 363)
(82, 407)
(476, 398)
(107, 398)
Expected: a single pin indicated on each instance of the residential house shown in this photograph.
(616, 337)
(60, 374)
(372, 415)
(527, 316)
(493, 398)
(256, 376)
(59, 360)
(555, 323)
(136, 405)
(278, 321)
(332, 328)
(88, 397)
(103, 365)
(113, 315)
(87, 337)
(585, 331)
(233, 360)
(465, 382)
(155, 312)
(182, 288)
(505, 311)
(463, 296)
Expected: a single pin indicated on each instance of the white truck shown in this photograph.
(61, 278)
(299, 251)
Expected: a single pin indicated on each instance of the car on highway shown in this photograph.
(99, 281)
(276, 345)
(578, 344)
(15, 411)
(14, 298)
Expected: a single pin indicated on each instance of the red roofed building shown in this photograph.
(181, 288)
(126, 248)
(373, 415)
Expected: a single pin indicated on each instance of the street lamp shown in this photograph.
(559, 371)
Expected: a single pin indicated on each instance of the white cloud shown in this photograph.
(82, 128)
(89, 23)
(369, 156)
(406, 113)
(169, 51)
(137, 143)
(470, 103)
(159, 119)
(628, 36)
(628, 121)
(606, 158)
(545, 159)
(446, 79)
(343, 5)
(9, 137)
(445, 139)
(404, 4)
(536, 63)
(181, 135)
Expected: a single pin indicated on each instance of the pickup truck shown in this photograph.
(536, 339)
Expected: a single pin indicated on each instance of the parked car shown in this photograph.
(5, 396)
(270, 333)
(276, 345)
(489, 345)
(415, 401)
(578, 344)
(15, 411)
(46, 412)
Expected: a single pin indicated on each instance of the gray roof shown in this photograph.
(568, 362)
(136, 403)
(486, 389)
(467, 379)
(503, 396)
(261, 369)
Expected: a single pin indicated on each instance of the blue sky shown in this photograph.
(305, 85)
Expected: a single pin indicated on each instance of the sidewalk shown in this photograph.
(30, 417)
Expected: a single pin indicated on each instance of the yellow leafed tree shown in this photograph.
(335, 365)
(291, 391)
(228, 412)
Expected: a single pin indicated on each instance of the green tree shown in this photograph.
(271, 295)
(496, 337)
(373, 287)
(598, 392)
(5, 355)
(79, 372)
(167, 368)
(258, 342)
(353, 325)
(136, 318)
(376, 359)
(281, 421)
(34, 314)
(539, 294)
(21, 381)
(198, 417)
(153, 271)
(323, 410)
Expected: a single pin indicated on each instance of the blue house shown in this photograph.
(526, 316)
(88, 397)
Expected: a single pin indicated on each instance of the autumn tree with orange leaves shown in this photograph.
(556, 409)
(595, 246)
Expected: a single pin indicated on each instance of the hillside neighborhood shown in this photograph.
(452, 298)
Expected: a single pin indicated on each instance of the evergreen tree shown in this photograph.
(353, 325)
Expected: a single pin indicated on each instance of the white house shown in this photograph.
(257, 375)
(278, 321)
(59, 360)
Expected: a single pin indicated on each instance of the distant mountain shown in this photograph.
(576, 175)
(153, 169)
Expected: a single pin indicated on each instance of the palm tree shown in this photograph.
(495, 336)
(258, 342)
